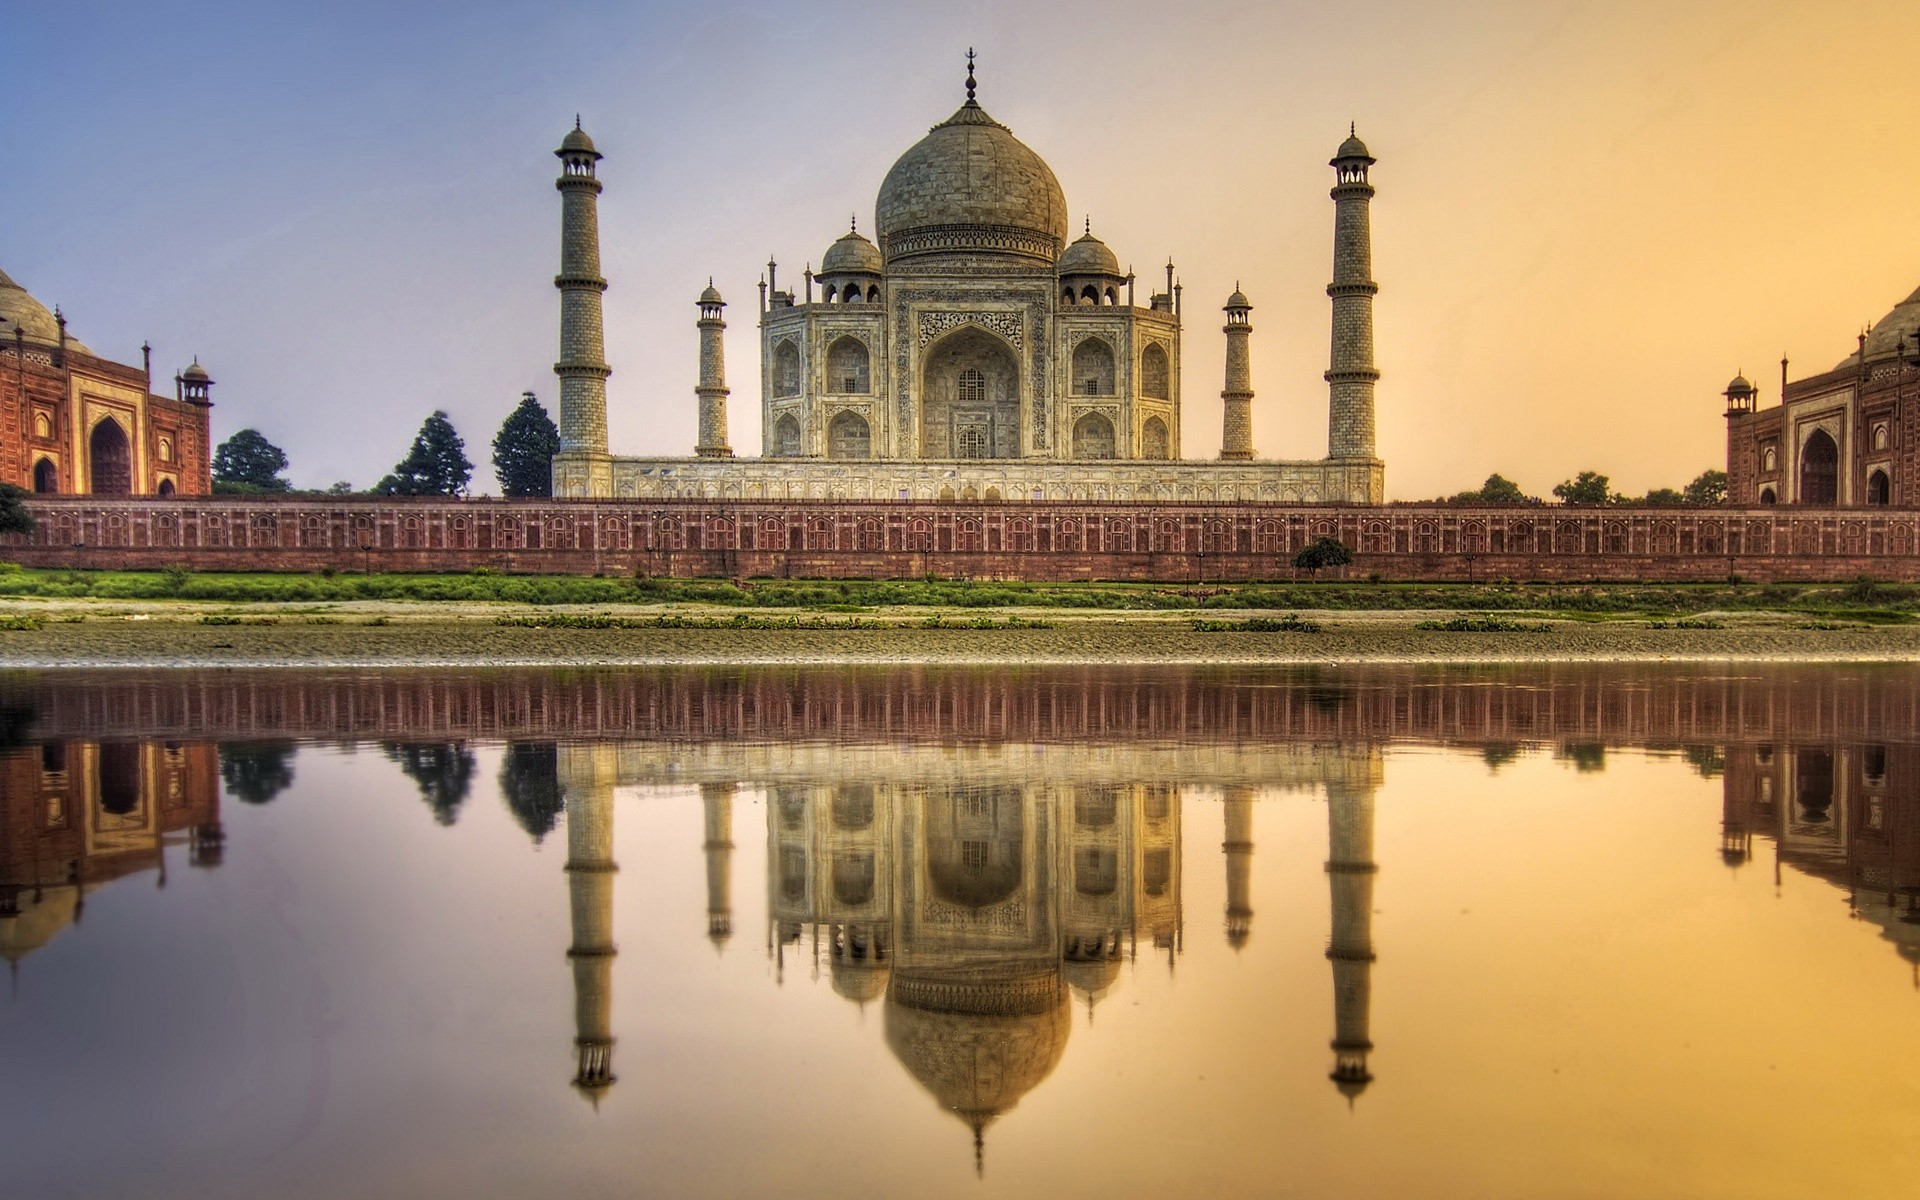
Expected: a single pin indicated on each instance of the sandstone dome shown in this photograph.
(19, 310)
(971, 187)
(1897, 326)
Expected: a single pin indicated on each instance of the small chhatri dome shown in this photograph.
(1089, 256)
(1353, 147)
(577, 141)
(1238, 300)
(711, 295)
(1740, 386)
(970, 187)
(851, 254)
(195, 373)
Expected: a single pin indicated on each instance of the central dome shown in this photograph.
(968, 188)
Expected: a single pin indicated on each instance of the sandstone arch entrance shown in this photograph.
(109, 459)
(1819, 469)
(970, 397)
(46, 477)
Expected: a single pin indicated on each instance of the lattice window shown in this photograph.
(970, 441)
(973, 387)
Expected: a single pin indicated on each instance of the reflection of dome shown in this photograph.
(860, 980)
(1091, 979)
(851, 254)
(1089, 256)
(970, 186)
(19, 310)
(975, 884)
(979, 1042)
(39, 921)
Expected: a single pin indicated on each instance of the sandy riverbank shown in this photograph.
(114, 634)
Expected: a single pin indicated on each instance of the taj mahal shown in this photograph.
(972, 353)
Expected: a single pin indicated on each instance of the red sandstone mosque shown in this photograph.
(73, 423)
(1845, 437)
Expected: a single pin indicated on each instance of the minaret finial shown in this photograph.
(970, 82)
(1353, 129)
(576, 120)
(1089, 229)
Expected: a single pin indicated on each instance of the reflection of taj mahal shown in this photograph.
(975, 892)
(975, 351)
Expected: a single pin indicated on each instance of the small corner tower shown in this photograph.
(581, 468)
(712, 389)
(1236, 435)
(194, 385)
(1350, 873)
(1350, 371)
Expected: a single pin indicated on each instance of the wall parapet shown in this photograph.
(1043, 540)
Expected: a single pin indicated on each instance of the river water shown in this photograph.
(1577, 931)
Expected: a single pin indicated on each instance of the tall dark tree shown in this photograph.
(530, 784)
(1498, 489)
(1588, 487)
(256, 772)
(523, 450)
(436, 465)
(14, 517)
(249, 462)
(443, 772)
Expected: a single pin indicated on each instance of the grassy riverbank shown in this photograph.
(1864, 600)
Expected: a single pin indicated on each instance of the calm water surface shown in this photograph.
(1571, 931)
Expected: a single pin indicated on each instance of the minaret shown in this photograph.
(712, 389)
(590, 870)
(1236, 437)
(718, 799)
(1239, 848)
(1350, 872)
(1350, 372)
(581, 467)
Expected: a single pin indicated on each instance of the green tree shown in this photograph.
(1664, 498)
(14, 517)
(442, 772)
(1323, 551)
(249, 460)
(1708, 488)
(523, 450)
(1498, 489)
(256, 772)
(530, 784)
(436, 465)
(1588, 487)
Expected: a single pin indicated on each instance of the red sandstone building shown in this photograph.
(1848, 437)
(75, 424)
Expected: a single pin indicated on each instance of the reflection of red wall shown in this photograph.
(1866, 837)
(1055, 540)
(55, 823)
(1592, 703)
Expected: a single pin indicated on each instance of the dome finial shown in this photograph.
(1353, 129)
(576, 120)
(970, 82)
(1089, 230)
(853, 223)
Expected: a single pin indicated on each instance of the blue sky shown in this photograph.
(1590, 214)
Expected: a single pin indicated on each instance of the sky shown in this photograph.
(1589, 215)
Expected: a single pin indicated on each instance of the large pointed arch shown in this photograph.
(109, 459)
(970, 391)
(1819, 469)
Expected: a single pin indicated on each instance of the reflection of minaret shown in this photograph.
(1239, 848)
(1350, 871)
(590, 870)
(718, 799)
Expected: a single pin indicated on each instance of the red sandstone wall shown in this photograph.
(1043, 541)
